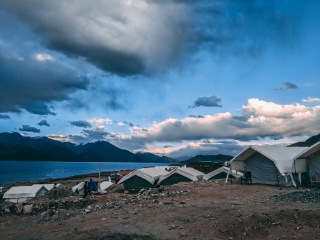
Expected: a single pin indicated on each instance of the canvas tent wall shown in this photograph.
(23, 193)
(222, 172)
(268, 164)
(183, 174)
(142, 178)
(309, 159)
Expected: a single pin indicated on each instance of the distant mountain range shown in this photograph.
(209, 158)
(14, 146)
(309, 142)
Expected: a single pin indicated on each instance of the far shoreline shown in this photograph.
(103, 175)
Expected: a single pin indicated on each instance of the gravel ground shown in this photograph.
(202, 210)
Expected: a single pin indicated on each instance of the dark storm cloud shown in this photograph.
(96, 134)
(27, 128)
(31, 85)
(108, 34)
(44, 123)
(194, 116)
(167, 146)
(4, 116)
(127, 39)
(243, 27)
(81, 123)
(212, 101)
(287, 86)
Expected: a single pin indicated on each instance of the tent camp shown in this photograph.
(268, 164)
(222, 172)
(48, 186)
(183, 174)
(78, 187)
(142, 178)
(23, 193)
(309, 161)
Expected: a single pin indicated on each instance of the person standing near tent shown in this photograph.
(85, 189)
(54, 191)
(91, 185)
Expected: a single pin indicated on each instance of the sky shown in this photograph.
(172, 77)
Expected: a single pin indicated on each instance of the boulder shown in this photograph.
(19, 209)
(27, 209)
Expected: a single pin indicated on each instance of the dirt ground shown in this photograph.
(201, 210)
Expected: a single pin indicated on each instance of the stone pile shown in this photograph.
(306, 196)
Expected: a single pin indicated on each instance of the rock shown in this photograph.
(44, 214)
(142, 190)
(27, 209)
(183, 235)
(19, 209)
(7, 210)
(172, 227)
(87, 210)
(168, 203)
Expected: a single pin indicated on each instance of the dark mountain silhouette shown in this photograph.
(309, 142)
(19, 152)
(14, 146)
(209, 158)
(154, 158)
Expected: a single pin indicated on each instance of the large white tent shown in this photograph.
(143, 177)
(268, 164)
(183, 174)
(309, 159)
(23, 193)
(222, 172)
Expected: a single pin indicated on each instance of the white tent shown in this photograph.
(23, 193)
(268, 164)
(105, 185)
(222, 172)
(143, 177)
(309, 160)
(48, 186)
(183, 174)
(78, 187)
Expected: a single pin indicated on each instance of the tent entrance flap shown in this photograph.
(238, 165)
(263, 170)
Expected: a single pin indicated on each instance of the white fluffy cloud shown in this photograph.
(259, 119)
(311, 100)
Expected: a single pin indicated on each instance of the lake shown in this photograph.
(18, 171)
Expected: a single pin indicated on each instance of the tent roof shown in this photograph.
(48, 186)
(105, 185)
(282, 156)
(79, 186)
(23, 192)
(309, 151)
(220, 170)
(187, 172)
(149, 174)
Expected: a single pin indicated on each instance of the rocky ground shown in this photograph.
(202, 210)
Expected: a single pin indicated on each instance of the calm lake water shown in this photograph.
(18, 171)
